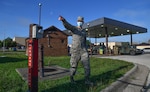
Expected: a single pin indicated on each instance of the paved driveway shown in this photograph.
(143, 59)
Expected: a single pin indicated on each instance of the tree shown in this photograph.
(88, 42)
(149, 41)
(1, 43)
(9, 42)
(13, 44)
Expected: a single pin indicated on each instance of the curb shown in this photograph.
(115, 85)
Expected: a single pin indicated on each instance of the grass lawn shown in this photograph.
(103, 73)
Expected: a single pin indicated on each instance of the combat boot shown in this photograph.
(88, 82)
(72, 80)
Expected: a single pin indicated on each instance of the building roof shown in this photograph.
(52, 29)
(96, 27)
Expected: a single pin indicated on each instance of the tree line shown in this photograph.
(8, 42)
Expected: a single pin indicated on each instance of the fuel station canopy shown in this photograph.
(106, 27)
(100, 27)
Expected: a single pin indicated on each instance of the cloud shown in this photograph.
(51, 13)
(135, 9)
(129, 13)
(24, 21)
(19, 22)
(137, 16)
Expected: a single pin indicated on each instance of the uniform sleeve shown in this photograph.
(68, 26)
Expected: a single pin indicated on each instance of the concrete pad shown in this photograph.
(50, 72)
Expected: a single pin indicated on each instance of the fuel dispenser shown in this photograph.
(35, 33)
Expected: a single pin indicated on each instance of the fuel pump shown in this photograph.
(35, 33)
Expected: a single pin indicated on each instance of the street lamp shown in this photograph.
(40, 5)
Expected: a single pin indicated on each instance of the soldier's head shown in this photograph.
(80, 21)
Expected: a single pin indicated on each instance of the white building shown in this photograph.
(19, 40)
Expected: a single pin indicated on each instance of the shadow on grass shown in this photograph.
(11, 59)
(100, 82)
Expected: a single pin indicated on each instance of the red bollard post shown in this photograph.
(33, 65)
(34, 34)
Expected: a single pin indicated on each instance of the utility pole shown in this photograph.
(4, 44)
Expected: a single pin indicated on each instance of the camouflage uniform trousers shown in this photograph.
(75, 58)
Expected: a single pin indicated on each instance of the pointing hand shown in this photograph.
(60, 18)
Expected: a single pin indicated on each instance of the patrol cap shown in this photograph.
(80, 18)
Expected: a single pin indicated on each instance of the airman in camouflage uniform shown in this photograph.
(78, 49)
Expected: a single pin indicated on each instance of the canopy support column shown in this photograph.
(131, 39)
(106, 36)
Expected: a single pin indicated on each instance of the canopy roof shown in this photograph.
(96, 28)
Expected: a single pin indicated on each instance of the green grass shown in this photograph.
(103, 73)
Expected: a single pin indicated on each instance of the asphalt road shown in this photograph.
(143, 59)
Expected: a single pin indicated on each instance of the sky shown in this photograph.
(17, 15)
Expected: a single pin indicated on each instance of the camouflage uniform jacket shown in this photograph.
(78, 37)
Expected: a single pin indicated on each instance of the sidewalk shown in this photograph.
(133, 81)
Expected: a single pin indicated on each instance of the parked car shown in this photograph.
(146, 50)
